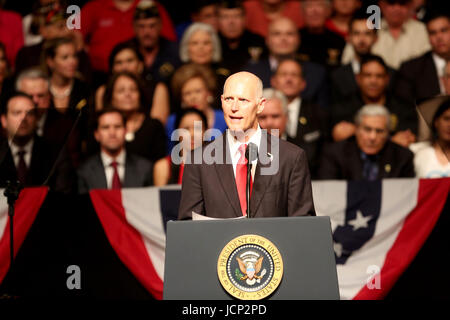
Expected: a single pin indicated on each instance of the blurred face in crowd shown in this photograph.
(3, 66)
(283, 38)
(316, 13)
(57, 29)
(395, 14)
(195, 93)
(442, 125)
(273, 117)
(207, 14)
(372, 134)
(110, 133)
(242, 101)
(446, 78)
(125, 95)
(65, 62)
(193, 124)
(38, 90)
(361, 37)
(231, 22)
(373, 80)
(200, 47)
(147, 31)
(126, 60)
(439, 35)
(20, 118)
(345, 7)
(288, 79)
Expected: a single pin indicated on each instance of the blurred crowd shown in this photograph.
(97, 105)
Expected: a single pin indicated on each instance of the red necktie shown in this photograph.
(241, 179)
(22, 167)
(115, 179)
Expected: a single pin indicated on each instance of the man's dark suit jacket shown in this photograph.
(342, 160)
(314, 74)
(312, 132)
(210, 189)
(417, 79)
(43, 157)
(138, 173)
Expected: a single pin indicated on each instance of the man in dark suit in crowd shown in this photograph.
(370, 155)
(307, 125)
(373, 81)
(421, 78)
(113, 167)
(238, 44)
(26, 157)
(214, 181)
(361, 39)
(282, 42)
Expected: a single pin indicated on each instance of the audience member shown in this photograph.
(238, 44)
(283, 41)
(319, 44)
(400, 38)
(5, 75)
(26, 157)
(113, 167)
(169, 170)
(126, 57)
(343, 11)
(432, 158)
(421, 78)
(274, 116)
(11, 34)
(307, 122)
(370, 155)
(145, 136)
(261, 13)
(373, 81)
(204, 11)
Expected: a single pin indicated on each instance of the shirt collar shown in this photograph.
(107, 160)
(235, 144)
(439, 62)
(28, 147)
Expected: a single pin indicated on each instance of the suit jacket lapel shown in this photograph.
(226, 176)
(98, 174)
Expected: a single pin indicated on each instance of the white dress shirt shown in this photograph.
(109, 170)
(440, 63)
(28, 148)
(234, 145)
(293, 114)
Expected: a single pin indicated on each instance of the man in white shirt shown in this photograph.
(113, 167)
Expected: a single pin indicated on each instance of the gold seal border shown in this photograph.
(250, 239)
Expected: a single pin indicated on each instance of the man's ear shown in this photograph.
(96, 135)
(261, 104)
(3, 119)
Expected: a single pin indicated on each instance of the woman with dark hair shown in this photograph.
(432, 160)
(192, 125)
(60, 60)
(126, 57)
(145, 135)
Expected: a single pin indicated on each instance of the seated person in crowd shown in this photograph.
(319, 44)
(373, 81)
(343, 11)
(360, 40)
(200, 44)
(238, 44)
(307, 125)
(169, 170)
(193, 86)
(420, 78)
(204, 11)
(53, 25)
(282, 42)
(6, 79)
(400, 38)
(160, 55)
(126, 57)
(369, 155)
(145, 136)
(432, 158)
(113, 167)
(26, 157)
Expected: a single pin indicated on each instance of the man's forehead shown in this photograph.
(20, 104)
(34, 83)
(374, 121)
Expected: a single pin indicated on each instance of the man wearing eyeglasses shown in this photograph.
(369, 155)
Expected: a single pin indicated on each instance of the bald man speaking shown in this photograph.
(215, 175)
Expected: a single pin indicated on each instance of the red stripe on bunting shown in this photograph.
(432, 196)
(26, 208)
(126, 241)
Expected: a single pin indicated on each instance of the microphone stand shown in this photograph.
(249, 176)
(11, 193)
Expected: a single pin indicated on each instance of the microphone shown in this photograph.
(251, 154)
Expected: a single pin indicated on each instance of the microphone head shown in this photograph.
(251, 152)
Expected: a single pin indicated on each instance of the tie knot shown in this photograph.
(114, 164)
(21, 153)
(242, 148)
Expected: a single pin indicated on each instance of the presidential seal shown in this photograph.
(250, 267)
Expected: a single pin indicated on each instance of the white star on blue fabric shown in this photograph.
(360, 221)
